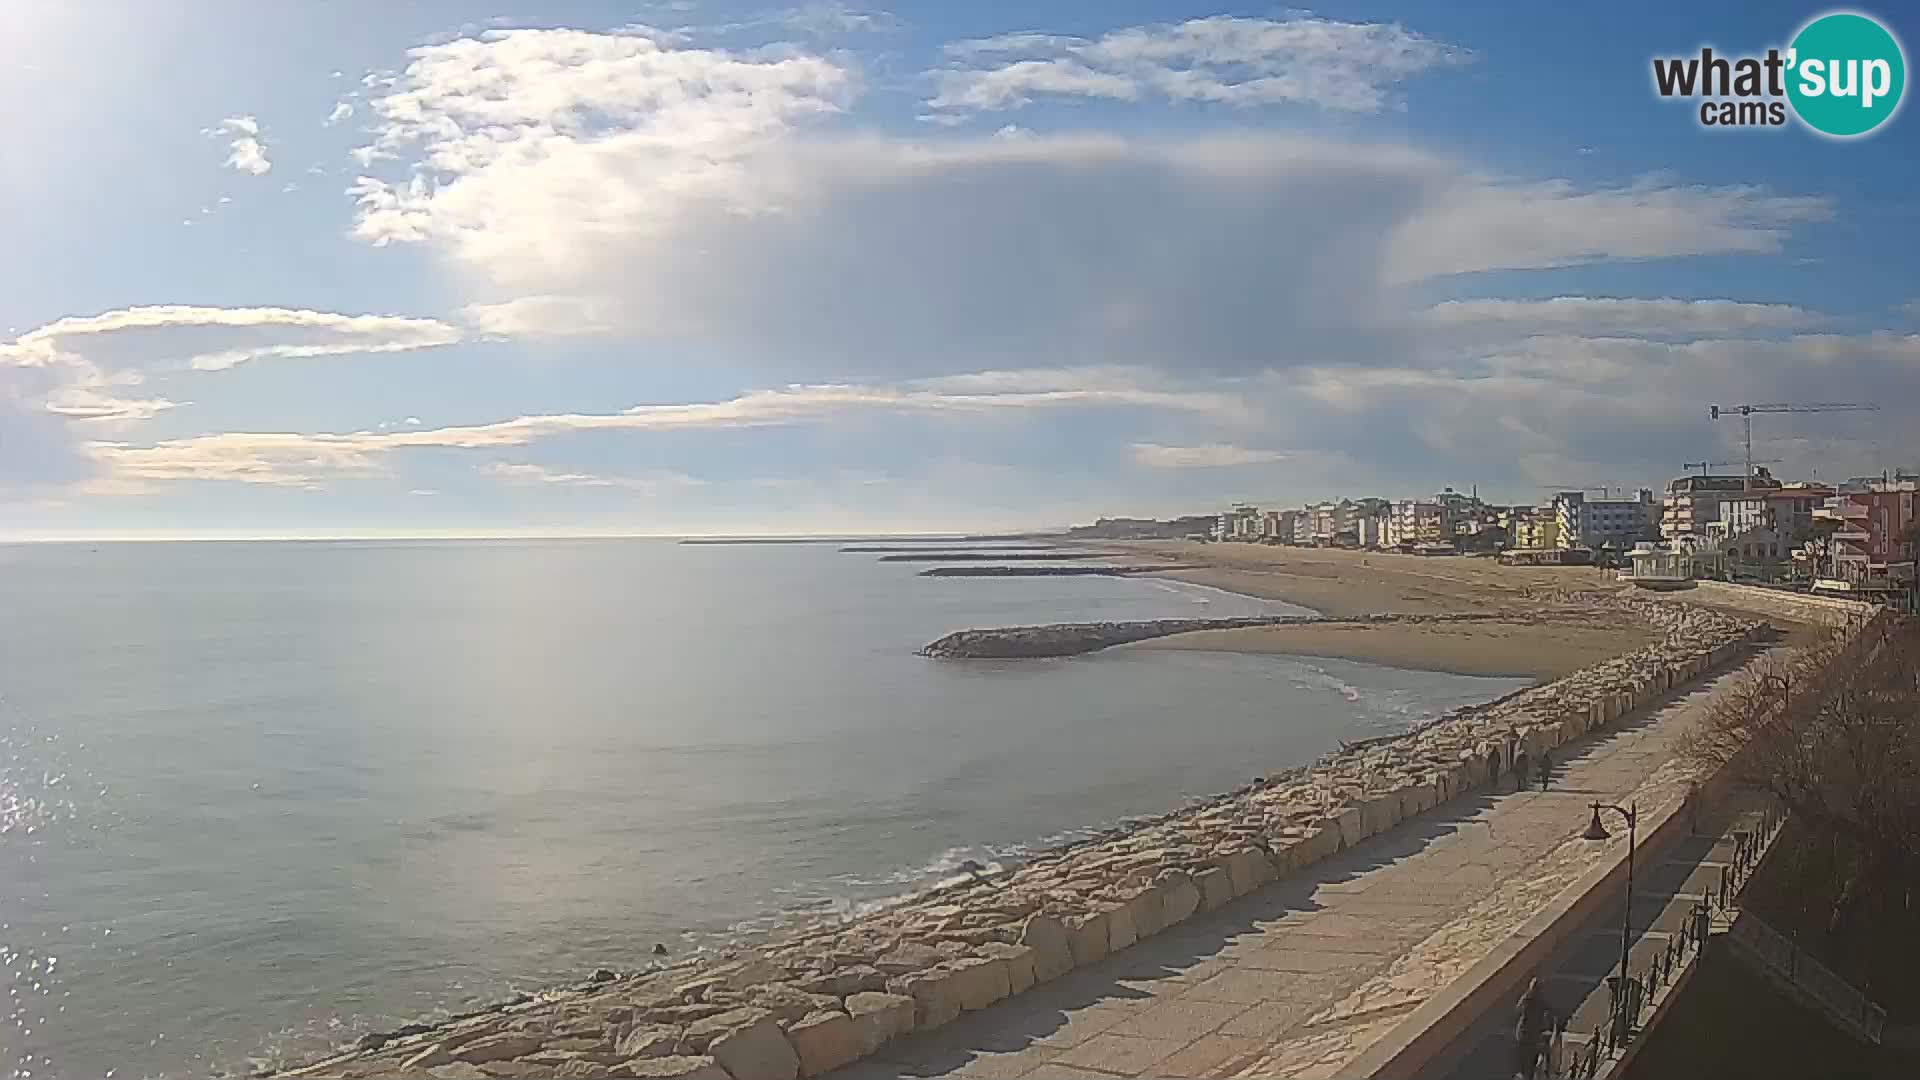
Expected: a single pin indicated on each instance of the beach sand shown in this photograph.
(1540, 642)
(1535, 649)
(1348, 583)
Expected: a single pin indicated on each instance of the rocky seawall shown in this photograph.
(1072, 639)
(1047, 571)
(831, 994)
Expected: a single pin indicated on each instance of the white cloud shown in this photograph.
(650, 482)
(1236, 61)
(301, 460)
(247, 153)
(342, 110)
(1475, 225)
(551, 316)
(587, 183)
(1619, 315)
(1206, 456)
(212, 338)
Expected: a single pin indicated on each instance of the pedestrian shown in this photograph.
(1546, 769)
(1520, 771)
(1530, 1029)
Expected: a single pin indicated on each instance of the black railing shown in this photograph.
(1632, 996)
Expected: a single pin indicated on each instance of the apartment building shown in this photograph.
(1595, 523)
(1692, 501)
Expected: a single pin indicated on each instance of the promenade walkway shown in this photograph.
(1298, 979)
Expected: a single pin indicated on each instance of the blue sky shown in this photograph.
(435, 268)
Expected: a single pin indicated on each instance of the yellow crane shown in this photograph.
(1745, 412)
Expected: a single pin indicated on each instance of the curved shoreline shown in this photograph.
(835, 992)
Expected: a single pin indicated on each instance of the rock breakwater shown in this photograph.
(1047, 571)
(831, 994)
(1072, 639)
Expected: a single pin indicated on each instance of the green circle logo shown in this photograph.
(1845, 74)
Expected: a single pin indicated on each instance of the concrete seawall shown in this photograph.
(833, 994)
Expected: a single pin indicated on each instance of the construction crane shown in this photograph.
(1704, 466)
(1746, 415)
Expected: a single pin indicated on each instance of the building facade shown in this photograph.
(1595, 523)
(1692, 501)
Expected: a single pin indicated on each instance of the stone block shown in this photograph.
(852, 979)
(1149, 912)
(1319, 843)
(1052, 948)
(684, 1067)
(1249, 868)
(1087, 938)
(1352, 829)
(980, 981)
(909, 957)
(935, 993)
(824, 1042)
(1021, 972)
(1380, 813)
(1216, 887)
(880, 1018)
(756, 1048)
(645, 1040)
(696, 1037)
(1179, 897)
(1120, 928)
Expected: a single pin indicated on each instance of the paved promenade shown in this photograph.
(1299, 978)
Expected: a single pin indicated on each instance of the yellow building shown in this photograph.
(1535, 532)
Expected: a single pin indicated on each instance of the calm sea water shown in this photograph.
(258, 798)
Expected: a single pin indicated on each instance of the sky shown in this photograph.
(444, 268)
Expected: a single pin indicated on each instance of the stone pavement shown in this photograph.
(1300, 977)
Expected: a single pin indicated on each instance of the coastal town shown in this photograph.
(1857, 538)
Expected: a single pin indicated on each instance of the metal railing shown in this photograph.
(1786, 960)
(1631, 997)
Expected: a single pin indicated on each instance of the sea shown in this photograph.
(258, 798)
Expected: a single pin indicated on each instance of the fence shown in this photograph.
(1779, 955)
(1633, 995)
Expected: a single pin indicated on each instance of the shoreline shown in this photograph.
(830, 993)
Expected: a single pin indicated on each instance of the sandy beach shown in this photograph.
(1544, 640)
(1538, 648)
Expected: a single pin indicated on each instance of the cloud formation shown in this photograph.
(1618, 315)
(625, 184)
(1206, 456)
(1299, 59)
(213, 338)
(246, 152)
(528, 474)
(303, 460)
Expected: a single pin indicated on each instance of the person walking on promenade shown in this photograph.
(1546, 769)
(1520, 773)
(1530, 1029)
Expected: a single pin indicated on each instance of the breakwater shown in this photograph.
(995, 556)
(922, 549)
(830, 994)
(1072, 639)
(1049, 571)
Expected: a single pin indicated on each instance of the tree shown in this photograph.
(1832, 733)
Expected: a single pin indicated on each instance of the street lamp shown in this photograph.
(1597, 830)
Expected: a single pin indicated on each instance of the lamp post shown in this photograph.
(1597, 830)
